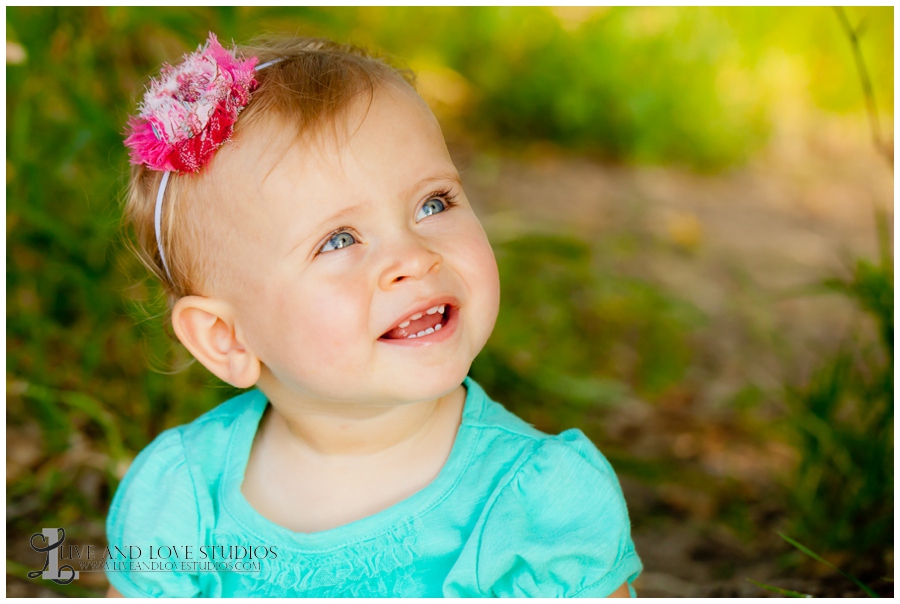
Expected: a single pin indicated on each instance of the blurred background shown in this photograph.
(692, 211)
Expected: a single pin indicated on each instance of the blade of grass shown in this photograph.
(815, 556)
(783, 592)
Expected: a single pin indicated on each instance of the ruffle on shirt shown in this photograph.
(378, 567)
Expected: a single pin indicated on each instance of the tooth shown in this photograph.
(420, 334)
(410, 337)
(429, 331)
(431, 310)
(404, 324)
(441, 309)
(437, 327)
(416, 316)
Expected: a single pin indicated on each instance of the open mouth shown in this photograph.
(421, 324)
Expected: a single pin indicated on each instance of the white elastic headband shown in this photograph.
(157, 213)
(157, 219)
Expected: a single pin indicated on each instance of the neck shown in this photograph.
(343, 430)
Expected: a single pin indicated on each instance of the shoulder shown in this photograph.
(527, 450)
(555, 524)
(212, 427)
(182, 454)
(168, 491)
(156, 503)
(563, 482)
(185, 453)
(571, 455)
(163, 461)
(484, 413)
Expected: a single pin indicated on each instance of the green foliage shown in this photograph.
(780, 591)
(871, 285)
(575, 336)
(868, 590)
(794, 594)
(698, 86)
(619, 85)
(842, 492)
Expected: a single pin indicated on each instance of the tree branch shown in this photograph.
(871, 110)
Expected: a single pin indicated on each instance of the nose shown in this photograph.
(410, 259)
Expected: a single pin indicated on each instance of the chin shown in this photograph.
(438, 382)
(417, 375)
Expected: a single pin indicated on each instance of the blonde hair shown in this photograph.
(311, 83)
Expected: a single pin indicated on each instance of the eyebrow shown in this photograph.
(333, 218)
(349, 211)
(442, 175)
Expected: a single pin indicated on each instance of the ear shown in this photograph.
(207, 328)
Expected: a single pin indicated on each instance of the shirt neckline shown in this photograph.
(415, 505)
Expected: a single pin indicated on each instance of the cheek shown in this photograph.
(481, 274)
(319, 325)
(490, 285)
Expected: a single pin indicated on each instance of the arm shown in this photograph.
(622, 592)
(112, 592)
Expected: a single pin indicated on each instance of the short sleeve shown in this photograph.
(558, 528)
(154, 507)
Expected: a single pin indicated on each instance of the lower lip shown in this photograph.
(445, 333)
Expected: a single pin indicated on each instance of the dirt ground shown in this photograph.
(734, 244)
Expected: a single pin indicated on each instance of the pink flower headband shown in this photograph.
(188, 113)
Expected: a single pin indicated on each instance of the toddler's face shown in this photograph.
(344, 243)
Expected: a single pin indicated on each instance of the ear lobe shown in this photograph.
(206, 327)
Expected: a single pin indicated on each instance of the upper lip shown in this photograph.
(422, 307)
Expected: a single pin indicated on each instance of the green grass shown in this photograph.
(811, 554)
(841, 494)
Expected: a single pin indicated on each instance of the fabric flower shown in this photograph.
(190, 110)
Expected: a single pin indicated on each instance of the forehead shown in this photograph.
(393, 133)
(377, 147)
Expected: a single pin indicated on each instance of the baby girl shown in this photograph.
(298, 202)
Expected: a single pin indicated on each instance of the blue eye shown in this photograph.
(338, 241)
(435, 205)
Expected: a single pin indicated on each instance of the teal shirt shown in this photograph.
(513, 512)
